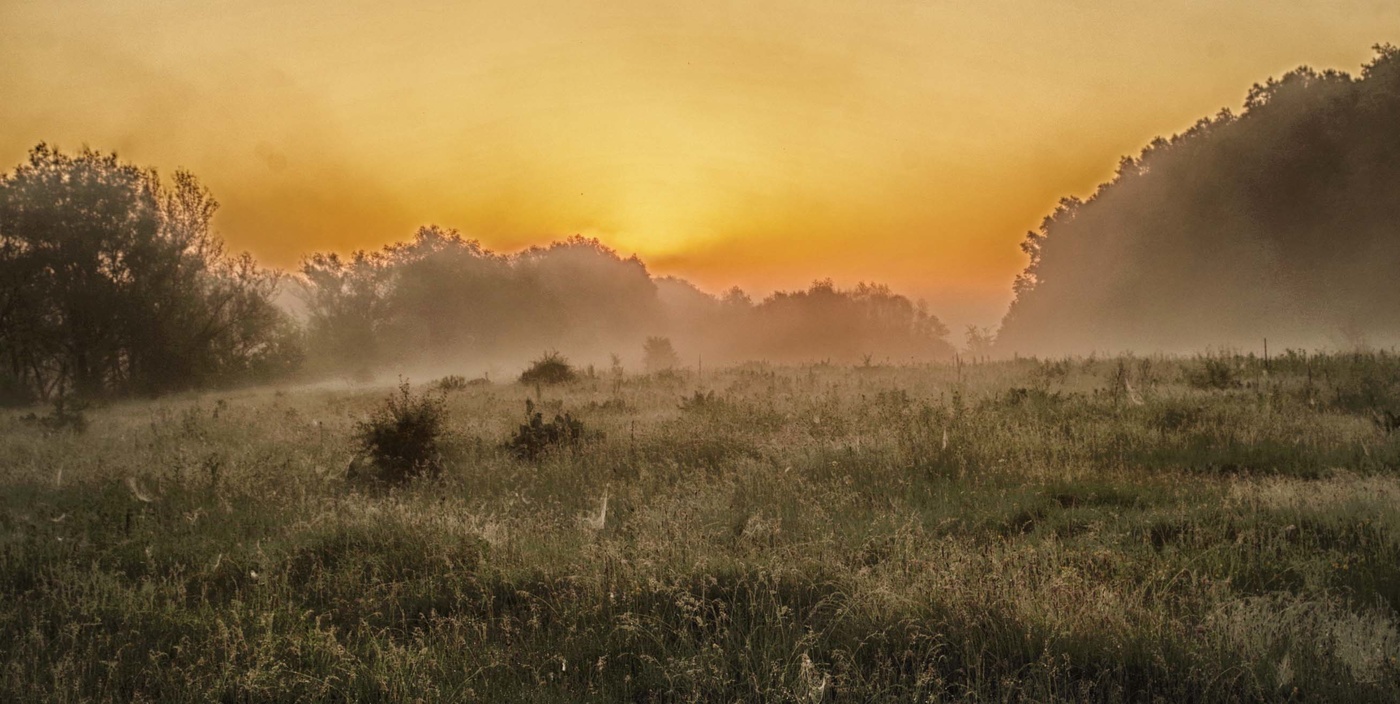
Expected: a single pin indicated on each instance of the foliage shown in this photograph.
(550, 368)
(451, 382)
(68, 413)
(441, 296)
(535, 438)
(979, 341)
(1213, 373)
(659, 354)
(828, 323)
(699, 400)
(112, 281)
(401, 437)
(1277, 222)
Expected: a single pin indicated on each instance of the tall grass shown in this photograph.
(1011, 531)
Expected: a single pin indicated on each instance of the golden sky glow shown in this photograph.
(757, 143)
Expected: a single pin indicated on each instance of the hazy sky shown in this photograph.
(761, 143)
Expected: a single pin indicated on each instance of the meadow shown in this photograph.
(1210, 528)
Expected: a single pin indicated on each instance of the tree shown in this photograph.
(346, 301)
(659, 355)
(440, 296)
(827, 322)
(111, 281)
(979, 341)
(1277, 222)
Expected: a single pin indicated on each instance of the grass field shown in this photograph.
(1203, 529)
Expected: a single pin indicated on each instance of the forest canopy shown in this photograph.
(1281, 222)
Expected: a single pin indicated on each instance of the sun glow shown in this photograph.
(758, 144)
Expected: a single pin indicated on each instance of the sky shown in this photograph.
(759, 143)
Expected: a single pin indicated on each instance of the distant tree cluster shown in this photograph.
(1280, 222)
(869, 319)
(112, 282)
(823, 322)
(441, 297)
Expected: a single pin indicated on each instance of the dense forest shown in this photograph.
(1281, 222)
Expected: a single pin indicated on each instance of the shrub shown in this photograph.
(1387, 421)
(535, 438)
(452, 382)
(699, 401)
(400, 438)
(1214, 373)
(1366, 391)
(552, 368)
(67, 414)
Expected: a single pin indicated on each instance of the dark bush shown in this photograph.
(1367, 390)
(1387, 421)
(400, 439)
(114, 282)
(1214, 373)
(452, 382)
(658, 354)
(700, 401)
(67, 414)
(552, 368)
(535, 438)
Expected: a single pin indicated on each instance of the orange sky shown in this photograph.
(760, 143)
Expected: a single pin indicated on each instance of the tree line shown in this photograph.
(1280, 222)
(441, 296)
(113, 282)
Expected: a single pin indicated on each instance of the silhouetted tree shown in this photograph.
(111, 281)
(1280, 222)
(826, 322)
(979, 341)
(658, 354)
(441, 296)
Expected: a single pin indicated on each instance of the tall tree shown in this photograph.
(1278, 222)
(112, 281)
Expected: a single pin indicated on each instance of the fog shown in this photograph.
(441, 303)
(1281, 222)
